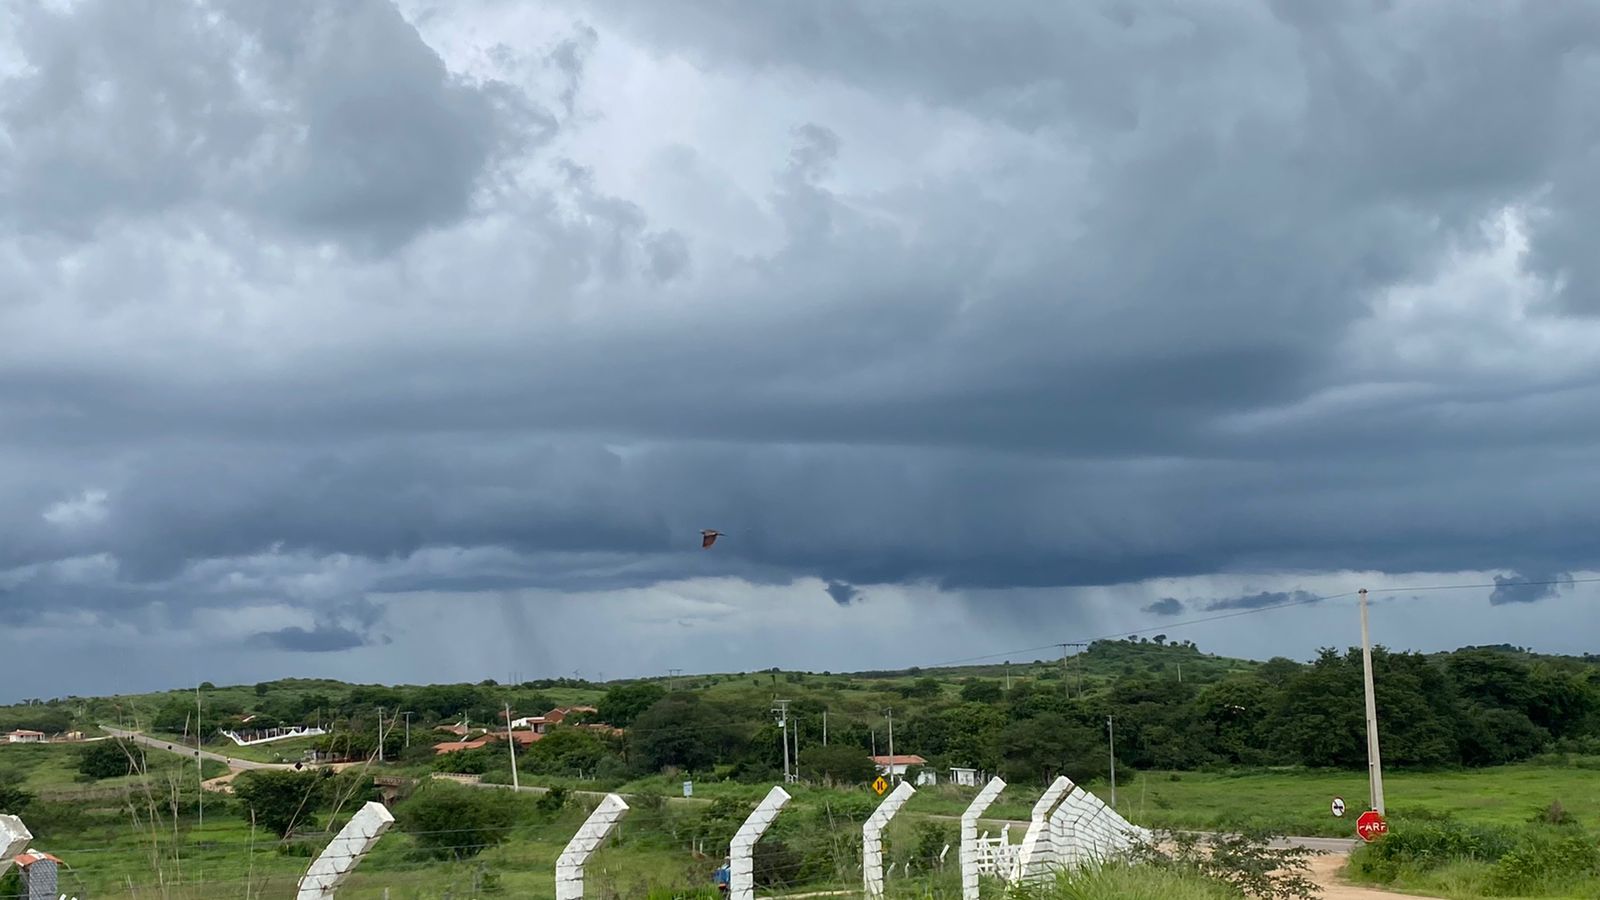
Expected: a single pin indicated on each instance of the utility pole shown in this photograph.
(516, 784)
(408, 729)
(1111, 741)
(1008, 676)
(1374, 763)
(824, 728)
(1066, 680)
(199, 763)
(782, 710)
(797, 748)
(892, 775)
(380, 734)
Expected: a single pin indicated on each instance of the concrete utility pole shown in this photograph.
(782, 710)
(516, 784)
(199, 762)
(1374, 763)
(797, 748)
(380, 734)
(824, 728)
(892, 775)
(1111, 741)
(408, 729)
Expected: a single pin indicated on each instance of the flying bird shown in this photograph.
(708, 537)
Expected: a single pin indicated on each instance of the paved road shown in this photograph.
(159, 744)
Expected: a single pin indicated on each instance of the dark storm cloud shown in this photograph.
(842, 593)
(1111, 331)
(1263, 599)
(333, 121)
(1166, 606)
(321, 639)
(1518, 588)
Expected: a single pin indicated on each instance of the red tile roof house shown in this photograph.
(24, 736)
(898, 764)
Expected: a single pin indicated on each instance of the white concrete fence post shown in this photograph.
(872, 838)
(1035, 853)
(595, 830)
(1084, 829)
(741, 850)
(969, 837)
(344, 852)
(14, 838)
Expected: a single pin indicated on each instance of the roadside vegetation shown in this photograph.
(1553, 855)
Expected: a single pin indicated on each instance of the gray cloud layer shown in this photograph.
(340, 303)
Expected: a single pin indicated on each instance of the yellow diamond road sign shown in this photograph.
(880, 785)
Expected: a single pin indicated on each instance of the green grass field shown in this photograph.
(51, 770)
(1297, 802)
(221, 858)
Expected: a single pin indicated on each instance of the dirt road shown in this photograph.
(1325, 871)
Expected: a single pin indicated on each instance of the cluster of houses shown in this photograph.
(25, 736)
(523, 731)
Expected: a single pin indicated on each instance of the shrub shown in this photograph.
(450, 821)
(1245, 863)
(1427, 845)
(280, 799)
(1542, 859)
(110, 758)
(13, 799)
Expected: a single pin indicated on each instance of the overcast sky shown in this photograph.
(418, 341)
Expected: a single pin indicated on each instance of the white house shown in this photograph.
(24, 736)
(899, 764)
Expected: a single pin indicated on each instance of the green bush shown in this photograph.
(1541, 860)
(110, 758)
(1428, 845)
(450, 821)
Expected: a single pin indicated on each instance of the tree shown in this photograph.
(110, 758)
(623, 703)
(837, 763)
(565, 751)
(981, 691)
(450, 821)
(13, 799)
(280, 799)
(679, 730)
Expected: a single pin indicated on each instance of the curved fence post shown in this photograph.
(596, 828)
(1067, 828)
(14, 838)
(344, 852)
(1033, 856)
(872, 838)
(741, 850)
(969, 837)
(1085, 829)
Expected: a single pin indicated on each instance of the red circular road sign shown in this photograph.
(1371, 825)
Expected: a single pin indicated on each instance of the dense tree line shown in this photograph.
(1473, 707)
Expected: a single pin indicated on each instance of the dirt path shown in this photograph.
(1325, 871)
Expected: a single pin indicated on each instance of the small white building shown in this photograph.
(963, 777)
(24, 736)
